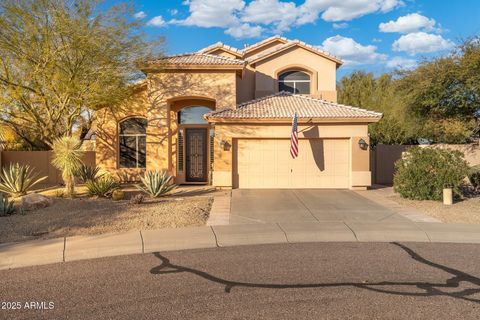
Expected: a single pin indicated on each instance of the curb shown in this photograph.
(40, 252)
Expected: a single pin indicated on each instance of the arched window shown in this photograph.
(193, 115)
(294, 82)
(133, 143)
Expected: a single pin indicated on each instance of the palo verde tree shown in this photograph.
(59, 60)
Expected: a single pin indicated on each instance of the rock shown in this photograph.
(35, 201)
(118, 195)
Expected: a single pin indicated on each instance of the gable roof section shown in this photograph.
(222, 46)
(280, 107)
(264, 42)
(269, 52)
(194, 61)
(294, 43)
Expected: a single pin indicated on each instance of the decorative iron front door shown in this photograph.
(196, 154)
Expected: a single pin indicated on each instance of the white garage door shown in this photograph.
(266, 163)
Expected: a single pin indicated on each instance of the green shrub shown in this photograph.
(423, 173)
(86, 173)
(474, 176)
(156, 183)
(17, 179)
(102, 187)
(7, 206)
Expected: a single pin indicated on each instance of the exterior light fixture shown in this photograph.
(222, 144)
(362, 144)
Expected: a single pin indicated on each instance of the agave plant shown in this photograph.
(156, 183)
(87, 173)
(17, 179)
(102, 187)
(67, 157)
(7, 206)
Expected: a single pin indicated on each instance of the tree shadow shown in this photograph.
(429, 289)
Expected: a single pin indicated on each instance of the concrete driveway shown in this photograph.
(303, 205)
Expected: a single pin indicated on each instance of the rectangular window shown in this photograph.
(128, 151)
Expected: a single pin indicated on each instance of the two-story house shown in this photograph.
(223, 116)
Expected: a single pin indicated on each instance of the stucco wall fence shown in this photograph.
(383, 157)
(41, 161)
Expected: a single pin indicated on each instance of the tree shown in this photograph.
(444, 94)
(59, 60)
(67, 157)
(364, 90)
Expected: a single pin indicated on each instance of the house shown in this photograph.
(222, 116)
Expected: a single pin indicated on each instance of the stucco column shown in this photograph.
(361, 176)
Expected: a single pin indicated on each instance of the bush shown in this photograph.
(86, 173)
(7, 206)
(17, 179)
(157, 183)
(474, 176)
(102, 187)
(424, 172)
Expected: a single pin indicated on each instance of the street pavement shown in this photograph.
(348, 280)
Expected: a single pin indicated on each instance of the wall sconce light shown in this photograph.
(362, 144)
(223, 143)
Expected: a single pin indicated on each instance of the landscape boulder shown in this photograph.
(35, 201)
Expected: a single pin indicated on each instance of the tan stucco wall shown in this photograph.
(322, 72)
(224, 164)
(163, 92)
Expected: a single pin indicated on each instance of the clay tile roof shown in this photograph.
(283, 105)
(196, 59)
(220, 45)
(258, 44)
(292, 43)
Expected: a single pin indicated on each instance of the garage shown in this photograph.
(266, 163)
(252, 144)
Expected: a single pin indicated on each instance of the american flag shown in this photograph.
(294, 138)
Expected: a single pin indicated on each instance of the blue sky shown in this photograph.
(371, 35)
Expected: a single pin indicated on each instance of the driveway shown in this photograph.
(303, 205)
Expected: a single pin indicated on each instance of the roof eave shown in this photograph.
(162, 67)
(289, 120)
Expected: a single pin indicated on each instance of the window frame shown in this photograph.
(292, 83)
(137, 149)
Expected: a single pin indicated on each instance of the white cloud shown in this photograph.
(421, 42)
(401, 63)
(173, 12)
(277, 15)
(352, 52)
(407, 24)
(282, 15)
(345, 10)
(140, 15)
(341, 25)
(156, 21)
(212, 13)
(244, 31)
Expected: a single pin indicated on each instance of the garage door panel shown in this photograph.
(266, 163)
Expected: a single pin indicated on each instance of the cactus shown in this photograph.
(16, 179)
(156, 183)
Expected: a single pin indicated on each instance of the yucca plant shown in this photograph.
(87, 173)
(156, 183)
(7, 206)
(67, 157)
(102, 187)
(17, 179)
